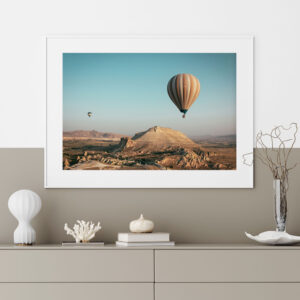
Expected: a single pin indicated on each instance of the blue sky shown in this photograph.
(127, 93)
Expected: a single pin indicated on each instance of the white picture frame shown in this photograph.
(56, 177)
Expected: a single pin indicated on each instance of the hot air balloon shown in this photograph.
(89, 114)
(183, 89)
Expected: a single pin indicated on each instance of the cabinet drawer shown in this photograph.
(76, 291)
(76, 266)
(226, 291)
(227, 266)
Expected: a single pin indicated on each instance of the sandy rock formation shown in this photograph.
(125, 144)
(190, 160)
(66, 163)
(185, 159)
(159, 137)
(155, 139)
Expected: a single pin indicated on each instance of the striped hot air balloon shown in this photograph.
(183, 89)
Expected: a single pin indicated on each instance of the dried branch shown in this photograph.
(275, 154)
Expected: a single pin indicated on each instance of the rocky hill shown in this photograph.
(163, 137)
(156, 139)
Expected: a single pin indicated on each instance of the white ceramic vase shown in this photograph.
(24, 205)
(141, 225)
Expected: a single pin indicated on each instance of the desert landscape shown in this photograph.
(109, 97)
(157, 148)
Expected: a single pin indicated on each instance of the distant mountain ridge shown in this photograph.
(209, 136)
(230, 138)
(91, 134)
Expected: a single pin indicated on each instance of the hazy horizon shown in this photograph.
(127, 93)
(190, 136)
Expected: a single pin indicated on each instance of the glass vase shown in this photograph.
(280, 193)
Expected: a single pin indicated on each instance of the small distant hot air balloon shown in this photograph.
(89, 114)
(183, 89)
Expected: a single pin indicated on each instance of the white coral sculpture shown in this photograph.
(83, 232)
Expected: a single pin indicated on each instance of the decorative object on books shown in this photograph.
(141, 225)
(275, 149)
(24, 205)
(152, 156)
(83, 231)
(274, 238)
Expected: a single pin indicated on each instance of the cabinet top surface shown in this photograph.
(176, 247)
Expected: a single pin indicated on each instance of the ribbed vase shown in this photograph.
(24, 205)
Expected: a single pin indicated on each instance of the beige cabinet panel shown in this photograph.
(227, 266)
(76, 291)
(226, 291)
(76, 266)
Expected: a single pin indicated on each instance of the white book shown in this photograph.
(147, 244)
(90, 244)
(144, 237)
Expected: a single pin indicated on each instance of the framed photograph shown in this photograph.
(149, 112)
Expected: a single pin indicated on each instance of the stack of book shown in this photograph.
(144, 239)
(89, 244)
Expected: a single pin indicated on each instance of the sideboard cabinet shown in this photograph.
(189, 272)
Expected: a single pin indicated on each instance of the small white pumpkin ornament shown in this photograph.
(141, 225)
